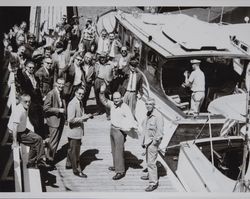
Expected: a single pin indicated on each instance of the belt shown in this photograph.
(198, 91)
(87, 39)
(25, 131)
(103, 79)
(130, 91)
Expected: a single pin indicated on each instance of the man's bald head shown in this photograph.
(117, 98)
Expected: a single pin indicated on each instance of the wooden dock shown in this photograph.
(96, 158)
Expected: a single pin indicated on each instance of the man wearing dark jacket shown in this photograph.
(55, 111)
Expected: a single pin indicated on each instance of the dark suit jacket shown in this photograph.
(69, 76)
(46, 80)
(51, 109)
(139, 81)
(27, 87)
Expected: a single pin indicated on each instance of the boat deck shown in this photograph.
(95, 159)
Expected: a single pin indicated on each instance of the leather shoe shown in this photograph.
(144, 177)
(81, 175)
(118, 176)
(111, 168)
(68, 167)
(145, 170)
(151, 188)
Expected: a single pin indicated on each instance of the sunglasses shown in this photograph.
(149, 103)
(48, 62)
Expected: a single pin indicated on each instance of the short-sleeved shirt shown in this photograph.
(197, 80)
(105, 71)
(18, 116)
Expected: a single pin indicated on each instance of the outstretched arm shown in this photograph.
(102, 97)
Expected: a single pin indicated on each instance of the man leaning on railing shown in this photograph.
(20, 133)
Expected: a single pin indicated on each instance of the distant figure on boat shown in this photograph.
(153, 133)
(196, 81)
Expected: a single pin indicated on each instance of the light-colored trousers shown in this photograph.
(197, 99)
(151, 156)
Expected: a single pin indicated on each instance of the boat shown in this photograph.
(218, 164)
(167, 44)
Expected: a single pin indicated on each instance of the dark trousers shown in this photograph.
(35, 142)
(130, 98)
(117, 139)
(86, 94)
(101, 107)
(37, 119)
(55, 135)
(74, 154)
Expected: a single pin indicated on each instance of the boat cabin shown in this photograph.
(167, 44)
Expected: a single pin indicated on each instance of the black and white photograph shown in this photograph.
(138, 100)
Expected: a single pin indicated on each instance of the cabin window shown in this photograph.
(120, 32)
(127, 38)
(136, 47)
(244, 47)
(152, 62)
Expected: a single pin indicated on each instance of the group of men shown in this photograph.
(53, 84)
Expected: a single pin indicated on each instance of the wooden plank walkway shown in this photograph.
(96, 158)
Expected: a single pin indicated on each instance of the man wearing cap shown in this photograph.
(88, 34)
(153, 132)
(131, 88)
(196, 81)
(104, 74)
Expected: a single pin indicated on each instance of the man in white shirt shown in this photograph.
(196, 81)
(18, 128)
(122, 120)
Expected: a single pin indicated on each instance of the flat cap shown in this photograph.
(103, 54)
(134, 63)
